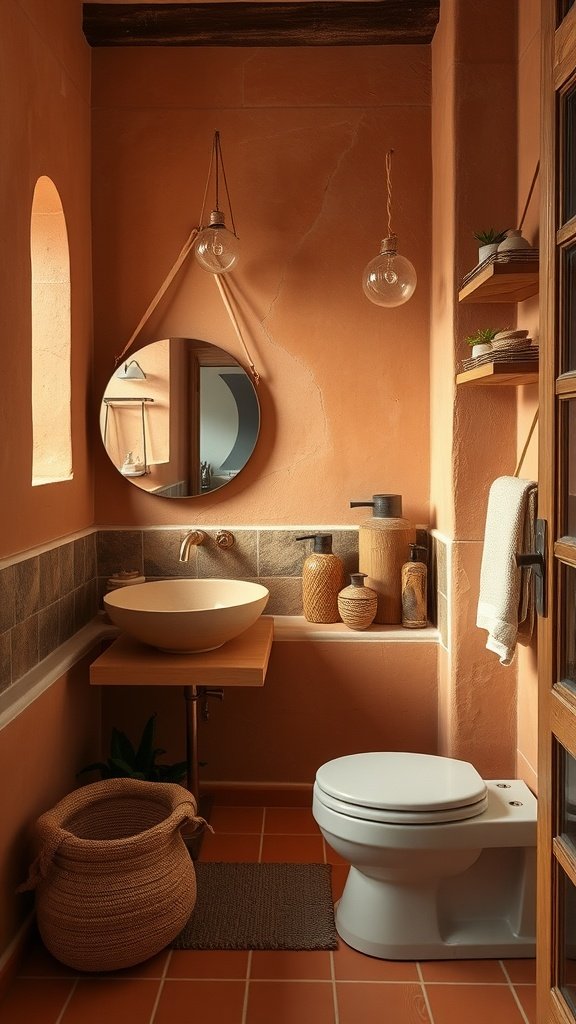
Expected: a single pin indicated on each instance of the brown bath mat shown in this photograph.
(261, 906)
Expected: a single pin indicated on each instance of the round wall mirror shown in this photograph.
(180, 418)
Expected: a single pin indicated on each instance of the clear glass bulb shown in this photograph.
(389, 279)
(216, 248)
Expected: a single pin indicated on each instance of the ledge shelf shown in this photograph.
(502, 282)
(511, 374)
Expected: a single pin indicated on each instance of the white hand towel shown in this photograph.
(507, 533)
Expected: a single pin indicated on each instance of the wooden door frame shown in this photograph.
(555, 706)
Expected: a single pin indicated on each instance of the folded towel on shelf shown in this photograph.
(505, 605)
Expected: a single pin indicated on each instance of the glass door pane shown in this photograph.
(569, 158)
(567, 979)
(569, 295)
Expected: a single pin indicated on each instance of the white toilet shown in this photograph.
(442, 862)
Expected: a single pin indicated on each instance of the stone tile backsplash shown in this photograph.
(46, 598)
(271, 557)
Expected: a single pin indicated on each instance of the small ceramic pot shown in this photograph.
(481, 350)
(486, 250)
(514, 240)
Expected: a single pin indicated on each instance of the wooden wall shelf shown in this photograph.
(502, 282)
(512, 374)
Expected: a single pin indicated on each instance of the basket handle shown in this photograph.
(52, 837)
(184, 814)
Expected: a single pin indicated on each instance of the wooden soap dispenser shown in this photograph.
(383, 541)
(322, 580)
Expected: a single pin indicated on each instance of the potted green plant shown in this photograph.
(481, 340)
(126, 761)
(489, 241)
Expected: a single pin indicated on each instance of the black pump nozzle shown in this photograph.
(322, 542)
(386, 506)
(418, 553)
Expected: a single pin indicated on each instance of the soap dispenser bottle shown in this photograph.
(383, 541)
(322, 580)
(357, 604)
(414, 579)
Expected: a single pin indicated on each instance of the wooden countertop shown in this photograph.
(240, 662)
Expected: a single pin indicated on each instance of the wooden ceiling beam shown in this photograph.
(304, 23)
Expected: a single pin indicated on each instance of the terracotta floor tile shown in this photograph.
(196, 963)
(230, 848)
(295, 849)
(34, 1002)
(239, 820)
(371, 1003)
(285, 987)
(39, 963)
(474, 1004)
(289, 821)
(521, 971)
(350, 965)
(189, 1002)
(129, 1001)
(305, 1002)
(471, 971)
(527, 996)
(150, 969)
(283, 965)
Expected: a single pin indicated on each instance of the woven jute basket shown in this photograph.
(113, 878)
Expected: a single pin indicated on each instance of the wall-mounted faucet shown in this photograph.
(191, 540)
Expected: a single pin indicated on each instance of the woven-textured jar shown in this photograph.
(114, 881)
(357, 604)
(322, 579)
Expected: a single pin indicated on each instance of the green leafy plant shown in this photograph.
(490, 236)
(127, 762)
(483, 336)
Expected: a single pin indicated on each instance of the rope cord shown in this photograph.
(225, 294)
(534, 179)
(161, 291)
(226, 185)
(208, 176)
(223, 287)
(525, 448)
(389, 189)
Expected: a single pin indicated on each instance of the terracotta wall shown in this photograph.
(344, 390)
(319, 701)
(44, 130)
(40, 752)
(485, 94)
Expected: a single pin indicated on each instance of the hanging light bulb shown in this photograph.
(216, 247)
(389, 279)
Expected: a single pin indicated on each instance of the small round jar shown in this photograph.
(357, 604)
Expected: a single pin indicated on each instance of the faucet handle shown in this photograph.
(224, 539)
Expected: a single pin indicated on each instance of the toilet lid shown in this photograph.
(416, 787)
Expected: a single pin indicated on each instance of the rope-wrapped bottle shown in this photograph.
(383, 541)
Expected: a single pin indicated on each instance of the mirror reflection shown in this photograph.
(184, 427)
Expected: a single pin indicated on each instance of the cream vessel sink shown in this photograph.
(186, 616)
